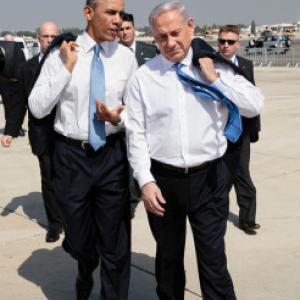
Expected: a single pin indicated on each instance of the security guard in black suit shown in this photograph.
(13, 58)
(41, 133)
(238, 154)
(143, 51)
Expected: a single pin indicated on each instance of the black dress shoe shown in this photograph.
(53, 235)
(21, 132)
(255, 226)
(248, 229)
(83, 287)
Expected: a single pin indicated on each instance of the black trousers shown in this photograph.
(238, 161)
(9, 91)
(92, 191)
(50, 202)
(201, 196)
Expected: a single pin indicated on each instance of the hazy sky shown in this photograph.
(28, 14)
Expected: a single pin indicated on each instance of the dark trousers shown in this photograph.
(50, 203)
(238, 161)
(8, 91)
(92, 191)
(201, 196)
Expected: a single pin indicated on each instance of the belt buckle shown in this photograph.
(84, 144)
(186, 170)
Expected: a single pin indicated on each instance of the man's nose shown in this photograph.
(171, 42)
(118, 19)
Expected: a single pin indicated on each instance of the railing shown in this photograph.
(278, 58)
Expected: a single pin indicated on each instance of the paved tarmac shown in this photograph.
(263, 267)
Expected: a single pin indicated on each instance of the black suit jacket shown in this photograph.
(144, 52)
(251, 126)
(40, 130)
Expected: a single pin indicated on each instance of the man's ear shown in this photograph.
(191, 25)
(88, 12)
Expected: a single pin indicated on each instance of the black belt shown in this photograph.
(157, 166)
(85, 145)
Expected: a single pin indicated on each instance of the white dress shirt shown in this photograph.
(166, 121)
(70, 91)
(133, 47)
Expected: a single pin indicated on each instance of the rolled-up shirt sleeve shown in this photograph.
(46, 92)
(241, 92)
(138, 151)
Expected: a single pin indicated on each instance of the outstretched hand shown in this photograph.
(106, 114)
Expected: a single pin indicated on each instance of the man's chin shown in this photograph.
(176, 57)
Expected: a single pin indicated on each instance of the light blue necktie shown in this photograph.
(97, 136)
(233, 128)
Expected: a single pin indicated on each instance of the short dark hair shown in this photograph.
(90, 2)
(230, 28)
(128, 18)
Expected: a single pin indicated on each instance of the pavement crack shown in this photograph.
(276, 155)
(153, 275)
(279, 175)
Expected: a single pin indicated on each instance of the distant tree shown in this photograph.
(5, 32)
(74, 30)
(253, 28)
(146, 30)
(26, 33)
(198, 30)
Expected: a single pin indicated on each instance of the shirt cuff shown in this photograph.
(144, 177)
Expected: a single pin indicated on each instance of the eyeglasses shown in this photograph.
(229, 42)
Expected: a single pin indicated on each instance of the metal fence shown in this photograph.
(263, 57)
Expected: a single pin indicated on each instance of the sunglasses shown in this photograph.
(229, 42)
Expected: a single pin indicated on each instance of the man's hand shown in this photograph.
(68, 54)
(153, 199)
(109, 115)
(208, 71)
(6, 140)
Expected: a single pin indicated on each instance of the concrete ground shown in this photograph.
(263, 267)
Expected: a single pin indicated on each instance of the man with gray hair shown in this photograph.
(177, 122)
(90, 162)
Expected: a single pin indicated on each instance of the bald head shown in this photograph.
(46, 33)
(9, 38)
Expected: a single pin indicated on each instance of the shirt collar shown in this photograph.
(41, 54)
(133, 46)
(87, 43)
(187, 61)
(233, 59)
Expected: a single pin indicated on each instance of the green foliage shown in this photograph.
(74, 30)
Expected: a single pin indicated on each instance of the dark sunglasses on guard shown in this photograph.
(229, 42)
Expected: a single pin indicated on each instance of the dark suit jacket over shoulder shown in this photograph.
(251, 126)
(144, 52)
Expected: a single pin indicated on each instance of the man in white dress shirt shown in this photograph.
(175, 145)
(91, 183)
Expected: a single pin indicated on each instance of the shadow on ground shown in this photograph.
(30, 205)
(54, 272)
(234, 219)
